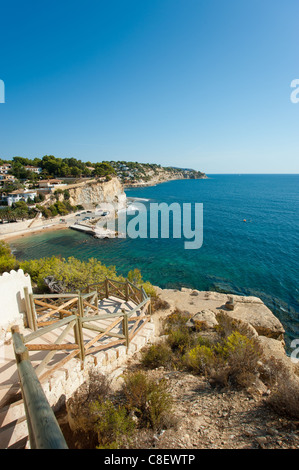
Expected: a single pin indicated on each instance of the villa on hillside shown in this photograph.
(7, 178)
(19, 195)
(34, 169)
(50, 183)
(5, 168)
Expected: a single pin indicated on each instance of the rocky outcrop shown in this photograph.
(249, 315)
(92, 193)
(204, 306)
(253, 311)
(272, 348)
(162, 175)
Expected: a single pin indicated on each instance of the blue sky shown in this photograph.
(193, 83)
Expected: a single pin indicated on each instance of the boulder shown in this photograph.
(229, 324)
(272, 348)
(206, 319)
(259, 316)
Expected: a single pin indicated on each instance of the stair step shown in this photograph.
(13, 432)
(11, 413)
(21, 444)
(11, 396)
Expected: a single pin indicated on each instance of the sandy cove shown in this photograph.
(29, 232)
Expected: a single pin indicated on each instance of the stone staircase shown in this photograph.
(59, 386)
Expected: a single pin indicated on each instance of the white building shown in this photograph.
(51, 183)
(34, 169)
(20, 195)
(5, 168)
(4, 177)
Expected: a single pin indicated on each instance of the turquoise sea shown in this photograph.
(258, 257)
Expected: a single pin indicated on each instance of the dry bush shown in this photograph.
(148, 399)
(284, 396)
(234, 360)
(176, 320)
(228, 325)
(113, 424)
(80, 418)
(159, 304)
(156, 355)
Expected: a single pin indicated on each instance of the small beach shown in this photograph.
(30, 232)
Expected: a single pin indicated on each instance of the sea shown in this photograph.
(250, 241)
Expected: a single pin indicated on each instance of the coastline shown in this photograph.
(154, 182)
(57, 225)
(35, 231)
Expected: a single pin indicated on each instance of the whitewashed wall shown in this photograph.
(12, 302)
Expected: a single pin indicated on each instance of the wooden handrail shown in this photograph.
(43, 428)
(73, 310)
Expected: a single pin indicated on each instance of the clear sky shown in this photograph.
(202, 84)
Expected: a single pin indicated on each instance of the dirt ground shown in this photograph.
(211, 418)
(205, 416)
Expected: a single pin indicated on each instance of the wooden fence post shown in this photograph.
(28, 309)
(107, 288)
(126, 327)
(80, 329)
(127, 290)
(96, 300)
(33, 312)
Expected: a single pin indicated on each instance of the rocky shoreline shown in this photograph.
(204, 306)
(211, 417)
(158, 180)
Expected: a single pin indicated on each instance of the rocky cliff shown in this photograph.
(159, 175)
(94, 192)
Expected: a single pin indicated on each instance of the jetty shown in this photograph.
(96, 232)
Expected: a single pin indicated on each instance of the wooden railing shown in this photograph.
(70, 313)
(43, 428)
(79, 312)
(124, 290)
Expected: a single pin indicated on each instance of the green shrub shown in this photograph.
(135, 277)
(66, 194)
(73, 273)
(176, 320)
(180, 339)
(61, 209)
(148, 399)
(7, 259)
(53, 210)
(241, 354)
(234, 360)
(156, 355)
(114, 426)
(201, 359)
(149, 289)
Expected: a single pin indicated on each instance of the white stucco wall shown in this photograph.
(12, 302)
